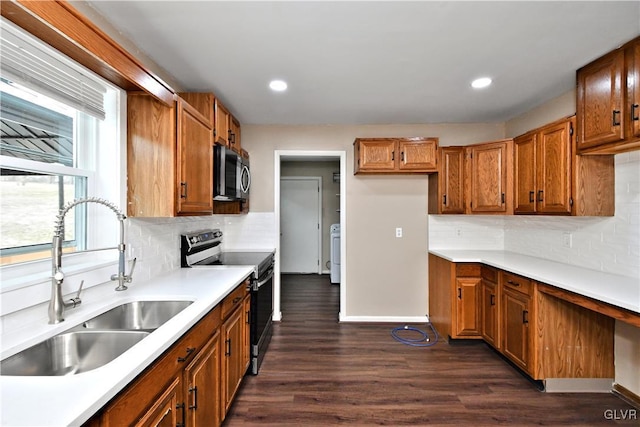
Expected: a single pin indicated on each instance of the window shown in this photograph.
(60, 142)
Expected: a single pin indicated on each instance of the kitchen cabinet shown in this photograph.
(516, 317)
(453, 298)
(157, 396)
(169, 159)
(233, 332)
(542, 177)
(533, 324)
(234, 135)
(489, 300)
(446, 188)
(203, 103)
(395, 155)
(222, 129)
(202, 386)
(608, 98)
(490, 179)
(551, 179)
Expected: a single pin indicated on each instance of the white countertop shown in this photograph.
(71, 400)
(621, 291)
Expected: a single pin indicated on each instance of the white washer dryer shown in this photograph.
(335, 253)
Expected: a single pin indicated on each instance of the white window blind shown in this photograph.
(34, 65)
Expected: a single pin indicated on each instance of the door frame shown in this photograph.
(317, 179)
(279, 155)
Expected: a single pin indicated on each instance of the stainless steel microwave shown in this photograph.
(231, 175)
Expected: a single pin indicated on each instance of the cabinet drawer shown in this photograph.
(234, 299)
(517, 283)
(489, 273)
(467, 270)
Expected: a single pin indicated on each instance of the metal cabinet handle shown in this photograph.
(183, 190)
(236, 300)
(615, 118)
(634, 116)
(502, 198)
(532, 195)
(493, 300)
(511, 282)
(402, 156)
(181, 406)
(444, 199)
(525, 317)
(248, 312)
(393, 155)
(540, 194)
(227, 351)
(459, 293)
(189, 351)
(195, 397)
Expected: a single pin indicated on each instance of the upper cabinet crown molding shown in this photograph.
(395, 155)
(608, 102)
(67, 30)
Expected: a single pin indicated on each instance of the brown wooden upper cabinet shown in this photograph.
(551, 179)
(446, 188)
(490, 177)
(542, 160)
(222, 119)
(395, 155)
(608, 98)
(169, 158)
(234, 134)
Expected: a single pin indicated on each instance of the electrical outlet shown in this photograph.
(398, 232)
(567, 240)
(458, 232)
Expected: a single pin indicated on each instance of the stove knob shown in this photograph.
(194, 240)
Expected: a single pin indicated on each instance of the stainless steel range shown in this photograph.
(202, 249)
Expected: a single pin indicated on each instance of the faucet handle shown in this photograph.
(77, 301)
(129, 277)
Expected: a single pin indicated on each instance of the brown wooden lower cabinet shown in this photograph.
(193, 383)
(545, 336)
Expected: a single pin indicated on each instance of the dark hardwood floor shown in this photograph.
(319, 372)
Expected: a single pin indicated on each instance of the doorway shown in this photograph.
(300, 224)
(340, 157)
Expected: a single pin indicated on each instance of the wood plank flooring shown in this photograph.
(319, 372)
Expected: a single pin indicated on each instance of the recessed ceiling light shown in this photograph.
(481, 82)
(278, 85)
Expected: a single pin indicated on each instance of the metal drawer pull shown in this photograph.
(236, 300)
(444, 199)
(402, 156)
(181, 406)
(189, 351)
(183, 193)
(493, 299)
(525, 317)
(634, 116)
(532, 196)
(511, 282)
(540, 193)
(195, 397)
(459, 293)
(393, 155)
(227, 351)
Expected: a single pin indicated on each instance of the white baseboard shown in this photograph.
(326, 271)
(384, 319)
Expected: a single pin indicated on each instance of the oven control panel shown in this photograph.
(203, 237)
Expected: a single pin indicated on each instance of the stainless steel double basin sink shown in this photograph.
(93, 343)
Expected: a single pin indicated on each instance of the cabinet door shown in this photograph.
(600, 101)
(164, 412)
(418, 155)
(634, 77)
(202, 386)
(222, 129)
(232, 366)
(489, 177)
(467, 307)
(489, 314)
(554, 168)
(515, 327)
(525, 173)
(375, 155)
(195, 159)
(246, 347)
(234, 135)
(452, 180)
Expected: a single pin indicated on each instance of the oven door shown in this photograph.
(261, 318)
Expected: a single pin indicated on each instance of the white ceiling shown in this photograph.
(354, 62)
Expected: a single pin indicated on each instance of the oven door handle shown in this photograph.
(265, 280)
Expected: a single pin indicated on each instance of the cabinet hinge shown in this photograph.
(214, 133)
(570, 129)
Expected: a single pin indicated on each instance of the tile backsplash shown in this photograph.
(610, 244)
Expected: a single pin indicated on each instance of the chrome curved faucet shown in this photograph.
(57, 305)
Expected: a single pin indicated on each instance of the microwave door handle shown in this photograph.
(245, 170)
